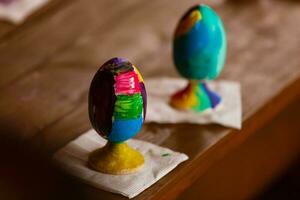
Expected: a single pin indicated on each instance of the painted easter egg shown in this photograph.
(199, 46)
(117, 100)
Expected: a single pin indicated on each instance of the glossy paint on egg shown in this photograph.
(199, 47)
(117, 100)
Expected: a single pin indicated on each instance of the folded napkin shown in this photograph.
(16, 11)
(159, 91)
(158, 162)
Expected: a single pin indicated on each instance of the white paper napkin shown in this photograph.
(159, 91)
(16, 11)
(158, 162)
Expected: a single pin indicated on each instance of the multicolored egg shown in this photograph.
(117, 100)
(199, 52)
(199, 47)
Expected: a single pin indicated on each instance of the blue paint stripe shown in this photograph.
(123, 130)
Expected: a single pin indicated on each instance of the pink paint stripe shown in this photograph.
(127, 83)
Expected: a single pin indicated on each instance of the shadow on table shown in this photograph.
(286, 187)
(27, 173)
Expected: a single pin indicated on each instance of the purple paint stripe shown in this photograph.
(214, 98)
(144, 96)
(115, 61)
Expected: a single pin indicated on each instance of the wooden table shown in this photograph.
(47, 64)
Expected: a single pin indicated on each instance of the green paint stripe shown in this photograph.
(203, 99)
(128, 106)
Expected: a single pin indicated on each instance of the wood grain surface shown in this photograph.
(47, 64)
(249, 169)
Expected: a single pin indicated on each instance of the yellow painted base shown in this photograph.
(116, 158)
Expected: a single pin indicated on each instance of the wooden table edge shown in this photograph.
(187, 173)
